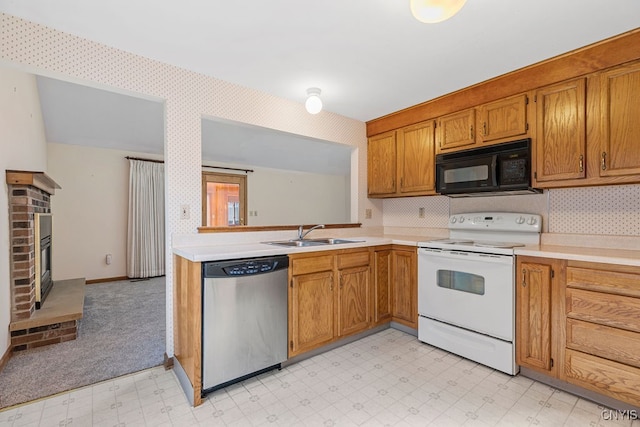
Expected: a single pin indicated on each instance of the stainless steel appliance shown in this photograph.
(466, 286)
(493, 170)
(244, 319)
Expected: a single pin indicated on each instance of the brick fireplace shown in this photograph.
(29, 198)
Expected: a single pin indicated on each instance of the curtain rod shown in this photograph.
(204, 166)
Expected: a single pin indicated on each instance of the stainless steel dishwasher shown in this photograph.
(244, 319)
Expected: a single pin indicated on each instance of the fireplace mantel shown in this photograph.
(36, 179)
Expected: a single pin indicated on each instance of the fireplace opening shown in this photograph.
(44, 279)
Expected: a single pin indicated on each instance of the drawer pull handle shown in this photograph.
(604, 161)
(471, 132)
(524, 278)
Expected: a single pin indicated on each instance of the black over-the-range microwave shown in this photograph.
(494, 170)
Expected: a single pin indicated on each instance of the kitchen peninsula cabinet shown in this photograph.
(311, 303)
(538, 313)
(329, 297)
(401, 163)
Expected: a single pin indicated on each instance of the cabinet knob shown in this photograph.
(604, 160)
(524, 278)
(471, 132)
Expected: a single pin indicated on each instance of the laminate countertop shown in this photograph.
(577, 253)
(219, 252)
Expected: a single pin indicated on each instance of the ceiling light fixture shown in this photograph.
(434, 11)
(313, 103)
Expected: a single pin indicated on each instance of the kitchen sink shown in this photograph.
(312, 242)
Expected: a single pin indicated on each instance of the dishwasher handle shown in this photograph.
(244, 267)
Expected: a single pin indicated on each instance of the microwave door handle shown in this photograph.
(495, 164)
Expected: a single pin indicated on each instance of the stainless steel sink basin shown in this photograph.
(312, 242)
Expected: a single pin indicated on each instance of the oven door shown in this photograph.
(469, 290)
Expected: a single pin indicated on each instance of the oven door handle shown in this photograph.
(433, 254)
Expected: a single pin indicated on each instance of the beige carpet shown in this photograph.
(122, 331)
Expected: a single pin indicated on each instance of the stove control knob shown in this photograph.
(520, 220)
(461, 220)
(532, 221)
(454, 220)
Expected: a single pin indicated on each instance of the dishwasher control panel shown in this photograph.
(244, 267)
(250, 268)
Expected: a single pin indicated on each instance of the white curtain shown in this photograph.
(145, 234)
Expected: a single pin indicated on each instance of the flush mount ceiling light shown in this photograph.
(434, 11)
(313, 103)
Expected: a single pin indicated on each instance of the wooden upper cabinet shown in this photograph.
(506, 118)
(620, 121)
(381, 164)
(416, 158)
(561, 131)
(456, 131)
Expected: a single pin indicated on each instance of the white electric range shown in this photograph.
(466, 286)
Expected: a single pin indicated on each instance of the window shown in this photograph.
(224, 199)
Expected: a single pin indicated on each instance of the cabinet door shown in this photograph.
(404, 285)
(381, 164)
(353, 300)
(620, 105)
(560, 137)
(382, 286)
(417, 158)
(456, 131)
(506, 118)
(311, 316)
(533, 315)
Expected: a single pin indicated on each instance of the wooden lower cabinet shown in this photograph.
(311, 300)
(329, 297)
(382, 293)
(580, 322)
(538, 313)
(603, 329)
(404, 285)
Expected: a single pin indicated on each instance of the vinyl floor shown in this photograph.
(386, 379)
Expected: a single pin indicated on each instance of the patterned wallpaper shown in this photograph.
(187, 96)
(607, 210)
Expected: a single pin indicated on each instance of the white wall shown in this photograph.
(90, 211)
(22, 147)
(288, 197)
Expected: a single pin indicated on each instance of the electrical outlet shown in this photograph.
(367, 214)
(184, 212)
(420, 212)
(108, 259)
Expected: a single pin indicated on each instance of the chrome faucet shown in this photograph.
(301, 234)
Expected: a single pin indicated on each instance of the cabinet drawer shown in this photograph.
(311, 264)
(604, 341)
(354, 259)
(622, 283)
(604, 376)
(605, 309)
